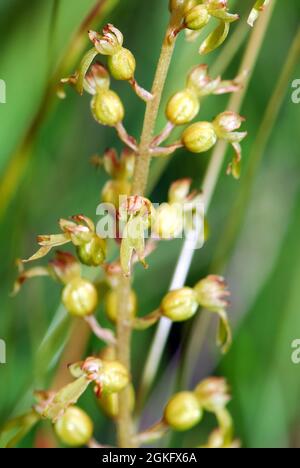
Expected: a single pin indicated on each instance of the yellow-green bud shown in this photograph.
(96, 79)
(199, 137)
(213, 394)
(109, 403)
(114, 377)
(179, 191)
(74, 428)
(113, 190)
(112, 306)
(180, 305)
(92, 253)
(122, 64)
(197, 17)
(107, 108)
(80, 297)
(183, 107)
(183, 411)
(168, 221)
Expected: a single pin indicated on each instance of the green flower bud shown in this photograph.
(75, 428)
(107, 108)
(182, 107)
(179, 191)
(109, 403)
(114, 377)
(180, 305)
(183, 411)
(109, 376)
(122, 64)
(197, 17)
(113, 190)
(112, 306)
(92, 253)
(213, 394)
(96, 79)
(80, 297)
(199, 137)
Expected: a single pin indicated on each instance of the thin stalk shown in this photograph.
(139, 185)
(209, 185)
(144, 158)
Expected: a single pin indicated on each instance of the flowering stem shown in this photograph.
(140, 179)
(143, 161)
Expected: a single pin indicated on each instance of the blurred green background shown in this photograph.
(50, 177)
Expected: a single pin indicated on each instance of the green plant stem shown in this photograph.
(140, 180)
(144, 157)
(209, 185)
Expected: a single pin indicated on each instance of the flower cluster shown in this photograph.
(186, 409)
(210, 293)
(134, 215)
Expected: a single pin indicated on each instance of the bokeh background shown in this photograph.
(45, 174)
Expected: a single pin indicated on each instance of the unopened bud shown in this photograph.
(213, 394)
(197, 17)
(180, 305)
(96, 79)
(92, 253)
(109, 403)
(80, 297)
(112, 305)
(183, 411)
(113, 190)
(114, 377)
(180, 190)
(212, 293)
(109, 376)
(199, 137)
(75, 428)
(183, 107)
(107, 108)
(122, 64)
